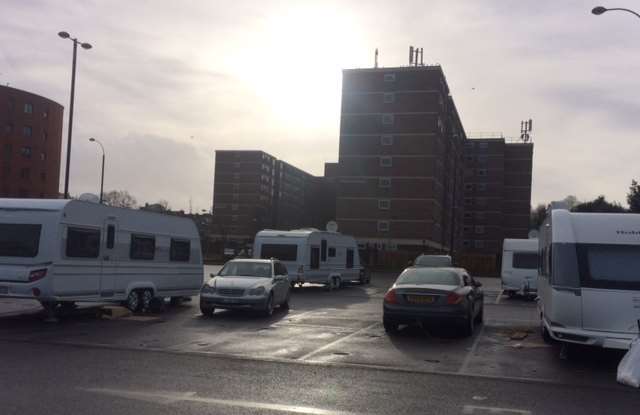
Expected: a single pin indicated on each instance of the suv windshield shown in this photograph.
(19, 240)
(246, 269)
(428, 276)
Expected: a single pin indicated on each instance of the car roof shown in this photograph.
(257, 261)
(457, 270)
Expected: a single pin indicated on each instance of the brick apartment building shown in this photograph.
(497, 199)
(253, 190)
(30, 143)
(400, 168)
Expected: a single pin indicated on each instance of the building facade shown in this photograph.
(400, 167)
(253, 191)
(497, 199)
(30, 144)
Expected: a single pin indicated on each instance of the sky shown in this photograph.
(169, 82)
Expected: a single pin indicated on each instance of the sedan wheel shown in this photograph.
(268, 309)
(285, 304)
(133, 301)
(390, 327)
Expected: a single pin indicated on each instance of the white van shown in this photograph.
(311, 255)
(63, 251)
(589, 278)
(519, 272)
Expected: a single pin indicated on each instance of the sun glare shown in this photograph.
(296, 67)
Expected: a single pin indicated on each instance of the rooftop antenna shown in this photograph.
(525, 128)
(410, 55)
(376, 62)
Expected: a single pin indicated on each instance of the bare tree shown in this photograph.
(119, 198)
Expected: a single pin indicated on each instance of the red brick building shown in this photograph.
(400, 168)
(497, 199)
(30, 144)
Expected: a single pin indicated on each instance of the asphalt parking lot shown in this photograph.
(336, 328)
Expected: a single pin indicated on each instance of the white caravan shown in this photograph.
(519, 272)
(589, 278)
(311, 255)
(63, 251)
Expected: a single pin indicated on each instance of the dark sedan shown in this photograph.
(434, 296)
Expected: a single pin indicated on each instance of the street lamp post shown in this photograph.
(93, 140)
(87, 46)
(600, 10)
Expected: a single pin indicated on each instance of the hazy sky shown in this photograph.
(168, 82)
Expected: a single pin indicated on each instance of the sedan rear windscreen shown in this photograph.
(434, 276)
(19, 240)
(278, 251)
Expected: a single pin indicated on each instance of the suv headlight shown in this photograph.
(257, 291)
(207, 289)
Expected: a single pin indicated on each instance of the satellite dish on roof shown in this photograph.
(533, 234)
(89, 197)
(332, 226)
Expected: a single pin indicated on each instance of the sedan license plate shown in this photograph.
(420, 299)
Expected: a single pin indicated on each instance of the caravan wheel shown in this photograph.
(133, 301)
(146, 299)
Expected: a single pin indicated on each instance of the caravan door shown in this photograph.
(109, 259)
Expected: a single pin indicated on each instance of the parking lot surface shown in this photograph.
(337, 328)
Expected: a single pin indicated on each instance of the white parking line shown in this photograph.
(167, 398)
(333, 343)
(499, 297)
(474, 346)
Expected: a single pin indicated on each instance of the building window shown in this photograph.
(235, 197)
(234, 218)
(468, 201)
(389, 77)
(483, 145)
(236, 165)
(468, 187)
(469, 145)
(483, 160)
(389, 98)
(45, 113)
(482, 187)
(383, 226)
(386, 161)
(466, 229)
(480, 216)
(8, 128)
(386, 140)
(466, 243)
(481, 201)
(43, 176)
(481, 172)
(43, 156)
(28, 108)
(469, 158)
(142, 247)
(236, 187)
(26, 152)
(388, 119)
(384, 182)
(25, 173)
(384, 204)
(44, 136)
(468, 215)
(234, 207)
(27, 131)
(479, 229)
(83, 243)
(478, 244)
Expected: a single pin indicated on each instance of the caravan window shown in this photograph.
(323, 250)
(332, 252)
(609, 266)
(349, 258)
(19, 240)
(111, 236)
(281, 252)
(180, 250)
(83, 243)
(142, 247)
(525, 260)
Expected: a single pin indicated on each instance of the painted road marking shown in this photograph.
(333, 343)
(166, 398)
(474, 346)
(471, 409)
(499, 296)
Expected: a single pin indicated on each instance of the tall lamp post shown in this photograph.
(93, 140)
(600, 10)
(75, 41)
